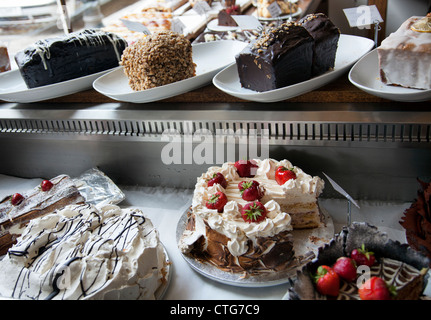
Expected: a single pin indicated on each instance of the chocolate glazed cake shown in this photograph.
(280, 57)
(72, 56)
(325, 35)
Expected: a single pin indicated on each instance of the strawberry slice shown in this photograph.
(246, 168)
(253, 212)
(250, 190)
(283, 174)
(16, 199)
(376, 288)
(327, 281)
(217, 201)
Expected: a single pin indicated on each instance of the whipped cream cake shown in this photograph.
(251, 231)
(405, 55)
(34, 203)
(85, 252)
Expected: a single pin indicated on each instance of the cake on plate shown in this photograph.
(68, 57)
(383, 270)
(161, 58)
(243, 213)
(280, 57)
(86, 252)
(405, 55)
(289, 54)
(18, 209)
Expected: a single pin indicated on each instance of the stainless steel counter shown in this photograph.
(373, 151)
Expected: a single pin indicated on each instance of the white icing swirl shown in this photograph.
(230, 223)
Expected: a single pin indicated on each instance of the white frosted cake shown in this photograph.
(82, 252)
(235, 240)
(405, 55)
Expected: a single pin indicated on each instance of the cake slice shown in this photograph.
(405, 55)
(161, 58)
(68, 57)
(325, 35)
(15, 215)
(282, 56)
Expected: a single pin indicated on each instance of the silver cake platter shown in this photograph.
(306, 243)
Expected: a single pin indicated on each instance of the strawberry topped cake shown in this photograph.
(243, 213)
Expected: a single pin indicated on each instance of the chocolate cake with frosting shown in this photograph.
(326, 36)
(70, 56)
(416, 220)
(35, 203)
(282, 56)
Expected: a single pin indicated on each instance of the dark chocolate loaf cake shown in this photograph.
(72, 56)
(326, 36)
(280, 57)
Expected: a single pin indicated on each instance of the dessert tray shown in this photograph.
(214, 26)
(14, 89)
(350, 49)
(209, 57)
(365, 76)
(306, 244)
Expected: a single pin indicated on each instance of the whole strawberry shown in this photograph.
(363, 257)
(217, 178)
(250, 190)
(253, 212)
(246, 168)
(283, 174)
(375, 288)
(46, 185)
(345, 268)
(327, 281)
(16, 199)
(217, 201)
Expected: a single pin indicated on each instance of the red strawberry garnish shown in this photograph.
(253, 212)
(217, 201)
(375, 288)
(327, 281)
(283, 174)
(16, 199)
(246, 168)
(46, 185)
(345, 268)
(363, 257)
(250, 190)
(218, 178)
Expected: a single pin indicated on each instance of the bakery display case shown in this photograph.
(375, 147)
